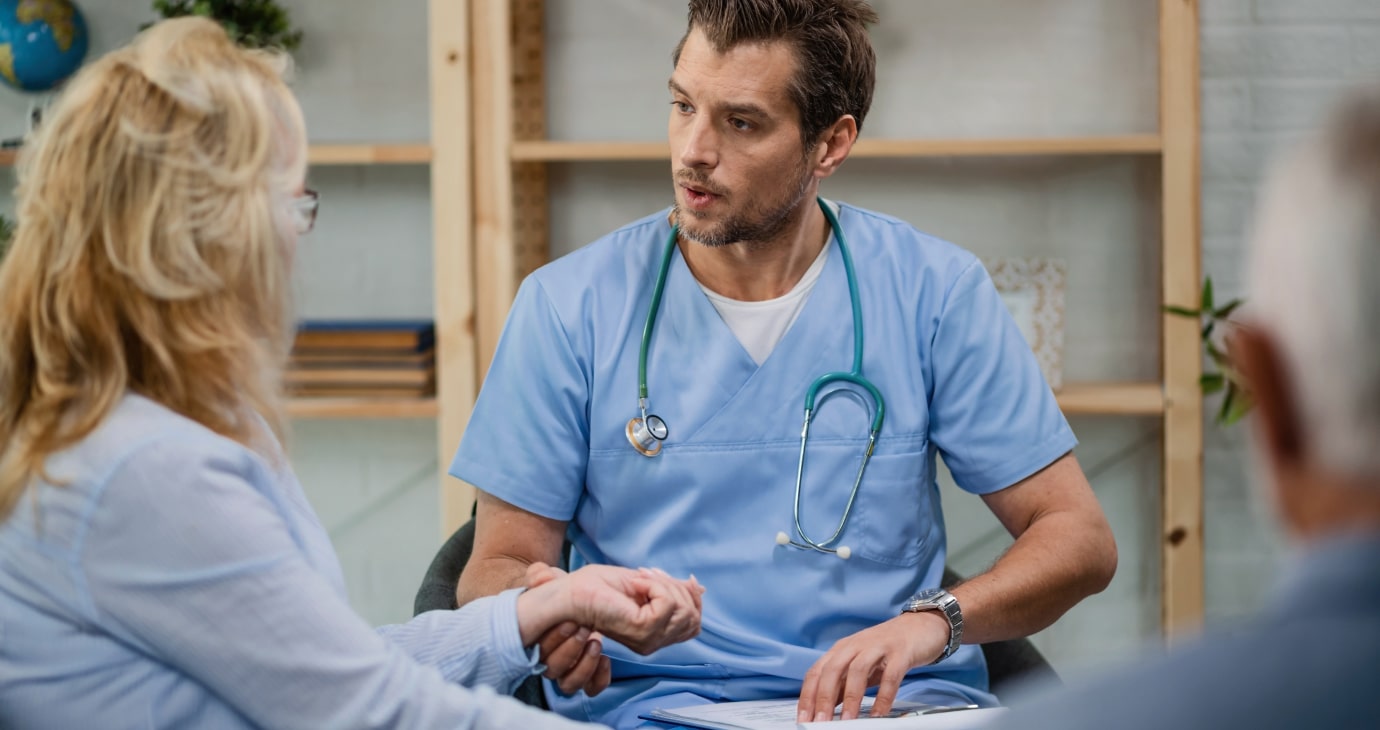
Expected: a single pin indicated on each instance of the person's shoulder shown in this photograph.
(141, 450)
(915, 261)
(617, 259)
(627, 245)
(890, 238)
(142, 440)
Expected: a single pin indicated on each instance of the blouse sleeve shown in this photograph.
(186, 558)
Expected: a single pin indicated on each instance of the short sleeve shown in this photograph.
(992, 414)
(527, 441)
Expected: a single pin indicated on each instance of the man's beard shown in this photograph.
(755, 226)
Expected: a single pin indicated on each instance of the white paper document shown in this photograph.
(781, 715)
(964, 720)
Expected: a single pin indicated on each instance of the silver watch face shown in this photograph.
(926, 600)
(929, 595)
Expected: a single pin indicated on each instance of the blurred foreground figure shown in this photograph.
(1310, 349)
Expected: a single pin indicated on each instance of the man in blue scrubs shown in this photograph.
(766, 100)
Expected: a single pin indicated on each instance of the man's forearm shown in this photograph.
(507, 539)
(489, 576)
(1057, 562)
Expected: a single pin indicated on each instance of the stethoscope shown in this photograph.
(647, 432)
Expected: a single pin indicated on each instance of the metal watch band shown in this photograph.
(944, 602)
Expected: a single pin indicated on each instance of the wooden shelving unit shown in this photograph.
(1112, 399)
(1139, 144)
(448, 155)
(344, 408)
(370, 154)
(510, 239)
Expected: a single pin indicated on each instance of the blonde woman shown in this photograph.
(159, 564)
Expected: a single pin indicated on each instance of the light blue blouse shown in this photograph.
(178, 580)
(548, 435)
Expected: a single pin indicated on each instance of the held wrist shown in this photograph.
(543, 607)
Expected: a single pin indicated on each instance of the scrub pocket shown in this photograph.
(896, 520)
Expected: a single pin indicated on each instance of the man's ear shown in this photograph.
(834, 145)
(1255, 354)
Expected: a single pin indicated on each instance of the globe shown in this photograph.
(42, 42)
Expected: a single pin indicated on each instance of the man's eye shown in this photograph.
(741, 125)
(682, 107)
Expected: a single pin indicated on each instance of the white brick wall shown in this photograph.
(1270, 68)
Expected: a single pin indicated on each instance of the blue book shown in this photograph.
(400, 335)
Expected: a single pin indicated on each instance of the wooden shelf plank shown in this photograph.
(334, 154)
(1112, 399)
(1133, 144)
(370, 154)
(343, 408)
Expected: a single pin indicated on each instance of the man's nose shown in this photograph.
(700, 147)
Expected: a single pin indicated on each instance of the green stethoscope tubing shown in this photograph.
(854, 376)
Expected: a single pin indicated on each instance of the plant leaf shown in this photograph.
(1182, 311)
(1212, 382)
(1218, 357)
(1207, 329)
(1207, 294)
(1240, 406)
(1227, 309)
(1226, 405)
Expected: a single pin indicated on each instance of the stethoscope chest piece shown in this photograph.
(646, 435)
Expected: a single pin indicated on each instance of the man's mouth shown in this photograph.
(697, 196)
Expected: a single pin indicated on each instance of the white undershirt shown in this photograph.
(759, 326)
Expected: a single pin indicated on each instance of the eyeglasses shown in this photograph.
(305, 206)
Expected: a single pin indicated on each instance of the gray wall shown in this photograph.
(976, 68)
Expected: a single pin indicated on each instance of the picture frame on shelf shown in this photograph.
(1033, 291)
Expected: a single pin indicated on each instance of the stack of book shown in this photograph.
(363, 359)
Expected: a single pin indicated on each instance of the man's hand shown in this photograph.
(878, 656)
(644, 609)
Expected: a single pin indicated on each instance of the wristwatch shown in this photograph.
(938, 599)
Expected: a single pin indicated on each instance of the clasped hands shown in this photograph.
(644, 609)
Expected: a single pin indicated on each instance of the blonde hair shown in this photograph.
(153, 248)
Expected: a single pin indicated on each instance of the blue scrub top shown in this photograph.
(548, 435)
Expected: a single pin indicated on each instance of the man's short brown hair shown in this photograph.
(836, 68)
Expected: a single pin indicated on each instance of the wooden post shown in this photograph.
(531, 230)
(449, 63)
(494, 257)
(1182, 519)
(510, 199)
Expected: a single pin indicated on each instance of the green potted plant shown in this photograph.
(1225, 379)
(252, 23)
